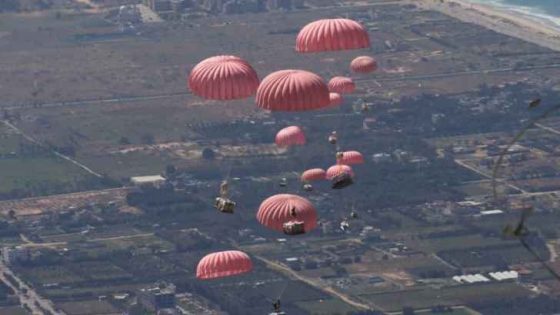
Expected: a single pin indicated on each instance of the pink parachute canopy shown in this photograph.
(338, 169)
(363, 64)
(313, 175)
(341, 85)
(331, 35)
(351, 157)
(277, 210)
(292, 90)
(223, 78)
(292, 135)
(336, 99)
(223, 264)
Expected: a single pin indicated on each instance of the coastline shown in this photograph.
(503, 21)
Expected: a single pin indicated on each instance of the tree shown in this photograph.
(147, 138)
(208, 154)
(124, 141)
(170, 170)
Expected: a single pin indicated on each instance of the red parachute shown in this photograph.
(313, 175)
(292, 135)
(282, 208)
(292, 90)
(363, 64)
(331, 35)
(223, 78)
(338, 169)
(223, 264)
(351, 157)
(342, 85)
(336, 99)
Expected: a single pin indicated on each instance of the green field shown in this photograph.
(457, 242)
(457, 295)
(88, 307)
(456, 311)
(50, 274)
(13, 310)
(40, 171)
(326, 307)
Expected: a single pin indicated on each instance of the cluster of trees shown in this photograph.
(46, 187)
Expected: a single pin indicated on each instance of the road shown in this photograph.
(60, 155)
(293, 274)
(549, 129)
(30, 243)
(489, 176)
(30, 297)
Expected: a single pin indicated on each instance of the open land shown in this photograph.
(86, 106)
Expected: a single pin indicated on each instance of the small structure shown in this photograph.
(158, 298)
(16, 254)
(504, 275)
(471, 278)
(491, 212)
(151, 180)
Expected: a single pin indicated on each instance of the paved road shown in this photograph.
(113, 238)
(293, 274)
(489, 176)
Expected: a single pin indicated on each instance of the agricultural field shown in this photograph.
(456, 295)
(88, 307)
(325, 307)
(454, 243)
(13, 310)
(28, 167)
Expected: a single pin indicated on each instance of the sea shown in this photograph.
(547, 11)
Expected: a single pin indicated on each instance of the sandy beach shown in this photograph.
(504, 21)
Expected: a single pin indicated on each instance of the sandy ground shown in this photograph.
(502, 21)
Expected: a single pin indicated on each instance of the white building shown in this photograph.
(154, 180)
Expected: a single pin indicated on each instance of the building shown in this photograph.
(158, 298)
(14, 255)
(158, 5)
(152, 180)
(381, 157)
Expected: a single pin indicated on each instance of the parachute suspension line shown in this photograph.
(495, 170)
(512, 142)
(224, 186)
(229, 168)
(283, 290)
(539, 258)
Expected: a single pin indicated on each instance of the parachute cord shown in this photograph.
(512, 142)
(283, 290)
(229, 167)
(496, 168)
(538, 258)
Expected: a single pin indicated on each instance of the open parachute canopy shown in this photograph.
(351, 157)
(332, 35)
(313, 175)
(289, 136)
(363, 64)
(223, 264)
(282, 208)
(292, 90)
(342, 85)
(223, 78)
(339, 169)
